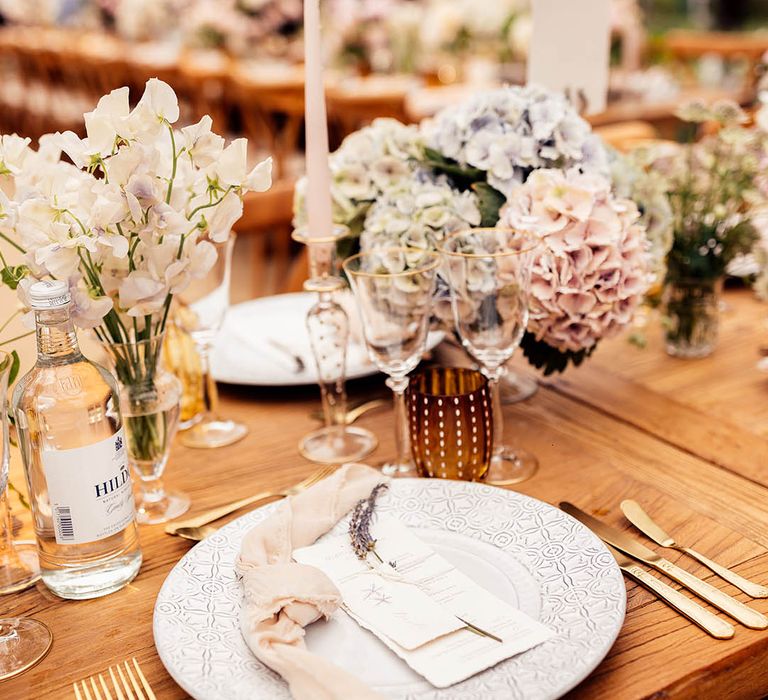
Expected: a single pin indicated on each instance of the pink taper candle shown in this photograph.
(319, 210)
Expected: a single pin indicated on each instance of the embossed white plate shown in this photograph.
(243, 353)
(521, 549)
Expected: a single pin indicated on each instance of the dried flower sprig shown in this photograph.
(360, 524)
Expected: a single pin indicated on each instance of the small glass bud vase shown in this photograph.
(691, 316)
(150, 399)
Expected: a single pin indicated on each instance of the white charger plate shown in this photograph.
(518, 548)
(243, 355)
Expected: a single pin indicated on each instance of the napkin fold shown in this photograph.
(282, 597)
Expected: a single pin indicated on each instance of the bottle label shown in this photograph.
(89, 490)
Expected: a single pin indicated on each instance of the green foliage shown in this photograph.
(11, 275)
(549, 359)
(490, 202)
(462, 176)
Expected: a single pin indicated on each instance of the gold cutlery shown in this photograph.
(643, 522)
(730, 606)
(708, 621)
(130, 686)
(191, 528)
(357, 411)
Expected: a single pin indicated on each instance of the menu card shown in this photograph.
(421, 606)
(570, 47)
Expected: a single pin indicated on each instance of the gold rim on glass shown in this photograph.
(536, 241)
(302, 235)
(435, 262)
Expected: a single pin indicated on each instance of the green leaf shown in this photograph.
(549, 359)
(490, 202)
(11, 275)
(15, 365)
(463, 176)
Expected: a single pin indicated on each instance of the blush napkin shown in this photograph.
(282, 597)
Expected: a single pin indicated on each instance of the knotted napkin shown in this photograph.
(283, 597)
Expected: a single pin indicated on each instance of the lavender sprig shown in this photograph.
(360, 524)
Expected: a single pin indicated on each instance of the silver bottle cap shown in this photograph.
(49, 294)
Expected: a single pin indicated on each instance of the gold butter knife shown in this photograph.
(730, 606)
(708, 621)
(643, 522)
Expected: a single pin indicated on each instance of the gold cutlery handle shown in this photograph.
(730, 606)
(708, 621)
(216, 513)
(755, 590)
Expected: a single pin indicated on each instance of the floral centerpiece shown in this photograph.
(132, 216)
(474, 165)
(714, 187)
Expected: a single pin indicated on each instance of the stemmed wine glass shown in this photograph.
(203, 307)
(393, 288)
(488, 271)
(23, 641)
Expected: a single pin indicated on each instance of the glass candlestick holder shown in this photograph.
(328, 328)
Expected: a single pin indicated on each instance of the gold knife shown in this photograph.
(708, 621)
(643, 522)
(730, 606)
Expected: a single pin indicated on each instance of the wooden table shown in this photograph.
(685, 438)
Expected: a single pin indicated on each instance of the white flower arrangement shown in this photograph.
(133, 218)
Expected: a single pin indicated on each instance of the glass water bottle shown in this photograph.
(73, 446)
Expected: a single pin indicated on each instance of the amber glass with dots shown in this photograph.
(450, 423)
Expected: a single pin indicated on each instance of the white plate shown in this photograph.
(243, 355)
(522, 550)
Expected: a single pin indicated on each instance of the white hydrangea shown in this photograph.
(510, 132)
(418, 213)
(368, 163)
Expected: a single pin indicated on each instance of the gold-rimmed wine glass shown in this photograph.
(488, 271)
(201, 309)
(393, 288)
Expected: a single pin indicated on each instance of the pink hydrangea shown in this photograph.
(592, 269)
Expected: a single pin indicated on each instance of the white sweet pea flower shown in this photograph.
(13, 151)
(157, 107)
(106, 206)
(260, 178)
(108, 121)
(87, 311)
(230, 168)
(222, 217)
(80, 151)
(140, 294)
(202, 146)
(202, 258)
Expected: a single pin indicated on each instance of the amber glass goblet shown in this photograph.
(451, 423)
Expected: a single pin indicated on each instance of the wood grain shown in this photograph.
(694, 484)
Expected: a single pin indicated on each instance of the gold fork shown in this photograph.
(128, 687)
(208, 517)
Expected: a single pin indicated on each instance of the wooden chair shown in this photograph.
(277, 265)
(271, 103)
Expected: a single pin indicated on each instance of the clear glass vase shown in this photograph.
(150, 401)
(691, 317)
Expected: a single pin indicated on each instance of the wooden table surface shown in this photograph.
(685, 438)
